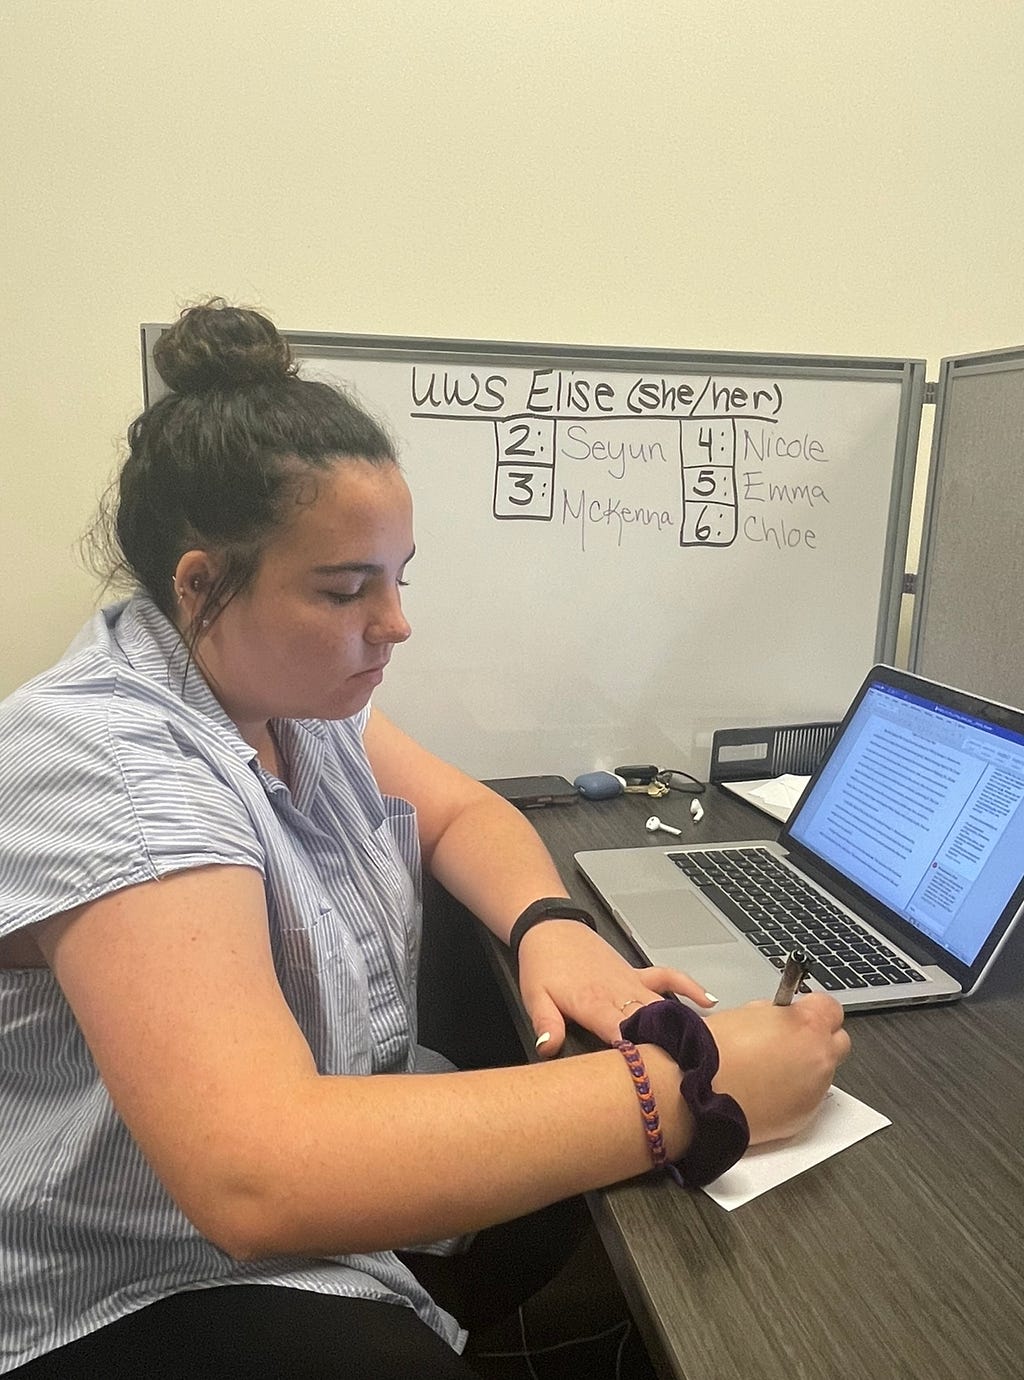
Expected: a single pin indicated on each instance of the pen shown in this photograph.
(792, 975)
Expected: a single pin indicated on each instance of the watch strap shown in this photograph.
(547, 908)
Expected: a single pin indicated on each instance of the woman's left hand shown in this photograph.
(567, 972)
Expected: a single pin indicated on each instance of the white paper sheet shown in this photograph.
(842, 1120)
(775, 795)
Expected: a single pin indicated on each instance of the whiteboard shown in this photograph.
(968, 626)
(620, 551)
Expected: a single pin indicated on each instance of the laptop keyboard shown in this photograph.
(777, 912)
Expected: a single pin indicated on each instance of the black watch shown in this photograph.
(547, 908)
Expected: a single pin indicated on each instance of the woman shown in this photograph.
(210, 861)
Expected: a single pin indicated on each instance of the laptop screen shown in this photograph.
(921, 805)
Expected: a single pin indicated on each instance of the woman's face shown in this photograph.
(311, 635)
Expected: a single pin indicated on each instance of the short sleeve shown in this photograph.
(100, 790)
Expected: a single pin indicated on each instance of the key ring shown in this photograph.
(655, 788)
(648, 779)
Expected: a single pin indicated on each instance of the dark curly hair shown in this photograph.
(219, 462)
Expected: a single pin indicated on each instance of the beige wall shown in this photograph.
(796, 176)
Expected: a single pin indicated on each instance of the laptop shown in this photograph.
(900, 871)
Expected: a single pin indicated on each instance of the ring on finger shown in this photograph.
(632, 1002)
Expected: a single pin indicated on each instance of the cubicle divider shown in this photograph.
(968, 625)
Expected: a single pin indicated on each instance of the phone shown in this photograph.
(531, 792)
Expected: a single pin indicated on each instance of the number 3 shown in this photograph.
(521, 480)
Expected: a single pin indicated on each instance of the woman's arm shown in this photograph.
(487, 855)
(475, 843)
(173, 985)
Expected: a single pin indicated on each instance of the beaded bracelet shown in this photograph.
(720, 1130)
(648, 1106)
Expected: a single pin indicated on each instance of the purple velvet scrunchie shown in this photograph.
(720, 1130)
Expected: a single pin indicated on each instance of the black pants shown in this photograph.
(262, 1332)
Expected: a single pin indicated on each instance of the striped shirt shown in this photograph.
(117, 768)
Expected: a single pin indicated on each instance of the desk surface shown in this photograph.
(903, 1256)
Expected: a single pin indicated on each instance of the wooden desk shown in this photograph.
(903, 1256)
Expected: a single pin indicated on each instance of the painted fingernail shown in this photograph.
(710, 996)
(542, 1039)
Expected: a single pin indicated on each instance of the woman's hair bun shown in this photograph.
(214, 345)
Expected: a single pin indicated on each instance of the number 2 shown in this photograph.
(518, 433)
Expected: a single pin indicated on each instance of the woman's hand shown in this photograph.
(779, 1061)
(567, 972)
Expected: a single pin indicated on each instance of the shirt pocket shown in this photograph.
(313, 943)
(392, 854)
(324, 980)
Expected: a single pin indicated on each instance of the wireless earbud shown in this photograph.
(654, 824)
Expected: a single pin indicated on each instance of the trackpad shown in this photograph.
(672, 918)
